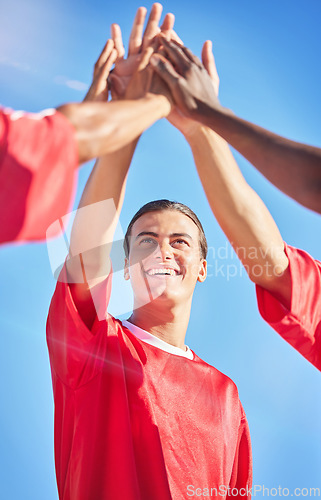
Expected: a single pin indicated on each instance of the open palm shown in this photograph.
(138, 41)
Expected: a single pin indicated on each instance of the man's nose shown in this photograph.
(164, 251)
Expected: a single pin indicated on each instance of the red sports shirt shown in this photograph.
(38, 157)
(135, 422)
(301, 325)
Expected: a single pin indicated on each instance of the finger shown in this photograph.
(189, 54)
(118, 40)
(192, 57)
(168, 25)
(106, 67)
(152, 28)
(161, 52)
(136, 35)
(209, 63)
(176, 55)
(147, 53)
(164, 69)
(208, 59)
(105, 53)
(176, 38)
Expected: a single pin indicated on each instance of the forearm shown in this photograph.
(97, 217)
(102, 128)
(293, 167)
(238, 209)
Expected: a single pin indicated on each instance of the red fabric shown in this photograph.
(38, 157)
(301, 325)
(137, 423)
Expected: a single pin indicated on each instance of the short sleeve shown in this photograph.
(241, 479)
(76, 353)
(301, 325)
(38, 158)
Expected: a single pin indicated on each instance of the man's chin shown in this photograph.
(159, 295)
(164, 289)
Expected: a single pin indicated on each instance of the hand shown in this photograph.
(138, 42)
(194, 86)
(146, 82)
(98, 91)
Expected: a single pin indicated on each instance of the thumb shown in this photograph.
(209, 64)
(116, 85)
(147, 53)
(106, 67)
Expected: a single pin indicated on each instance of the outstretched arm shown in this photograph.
(293, 167)
(238, 209)
(95, 222)
(103, 127)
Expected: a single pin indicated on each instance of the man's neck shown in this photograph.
(169, 325)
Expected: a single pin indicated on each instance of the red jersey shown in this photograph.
(135, 422)
(38, 157)
(301, 325)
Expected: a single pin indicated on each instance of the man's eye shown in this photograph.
(147, 240)
(181, 242)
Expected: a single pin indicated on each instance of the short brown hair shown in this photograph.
(154, 206)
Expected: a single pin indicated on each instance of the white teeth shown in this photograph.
(162, 271)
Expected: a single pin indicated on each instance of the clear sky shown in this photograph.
(268, 58)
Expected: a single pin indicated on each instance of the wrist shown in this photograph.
(209, 125)
(160, 103)
(213, 116)
(198, 133)
(194, 131)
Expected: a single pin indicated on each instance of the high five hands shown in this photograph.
(128, 80)
(157, 62)
(140, 48)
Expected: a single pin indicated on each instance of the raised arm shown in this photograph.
(102, 199)
(103, 127)
(293, 167)
(238, 209)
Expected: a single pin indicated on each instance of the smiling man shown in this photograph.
(138, 415)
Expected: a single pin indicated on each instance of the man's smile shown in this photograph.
(162, 271)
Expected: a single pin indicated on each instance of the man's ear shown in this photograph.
(126, 269)
(203, 271)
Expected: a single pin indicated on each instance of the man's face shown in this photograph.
(164, 258)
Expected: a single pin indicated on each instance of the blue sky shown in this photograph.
(267, 55)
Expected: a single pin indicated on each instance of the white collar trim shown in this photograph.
(151, 339)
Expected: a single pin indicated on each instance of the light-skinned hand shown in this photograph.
(98, 90)
(139, 40)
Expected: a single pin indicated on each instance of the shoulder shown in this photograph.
(299, 256)
(220, 382)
